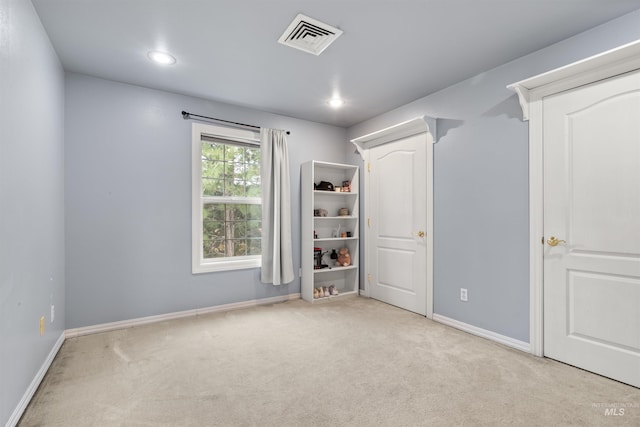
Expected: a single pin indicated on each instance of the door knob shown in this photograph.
(420, 233)
(554, 241)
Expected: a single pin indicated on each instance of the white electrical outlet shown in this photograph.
(53, 312)
(464, 296)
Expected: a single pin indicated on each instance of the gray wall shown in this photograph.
(481, 182)
(128, 201)
(31, 199)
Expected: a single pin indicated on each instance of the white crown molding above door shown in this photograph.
(395, 132)
(603, 65)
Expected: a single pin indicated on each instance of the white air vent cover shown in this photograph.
(309, 35)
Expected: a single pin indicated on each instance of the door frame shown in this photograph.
(419, 125)
(530, 93)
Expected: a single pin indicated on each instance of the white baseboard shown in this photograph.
(502, 339)
(123, 324)
(35, 383)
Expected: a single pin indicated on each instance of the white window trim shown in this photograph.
(198, 263)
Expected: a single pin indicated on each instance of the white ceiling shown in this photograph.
(391, 53)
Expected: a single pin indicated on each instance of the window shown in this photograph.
(227, 203)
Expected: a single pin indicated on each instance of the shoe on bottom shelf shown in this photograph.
(333, 290)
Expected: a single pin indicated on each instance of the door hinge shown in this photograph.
(369, 278)
(368, 222)
(542, 240)
(368, 167)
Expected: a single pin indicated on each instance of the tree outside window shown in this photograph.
(231, 204)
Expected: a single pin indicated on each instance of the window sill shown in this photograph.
(210, 266)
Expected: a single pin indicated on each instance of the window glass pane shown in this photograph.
(213, 248)
(213, 241)
(254, 211)
(254, 229)
(213, 229)
(253, 163)
(253, 190)
(212, 151)
(240, 247)
(234, 188)
(238, 172)
(213, 211)
(252, 157)
(239, 229)
(212, 168)
(212, 187)
(238, 212)
(252, 173)
(254, 247)
(234, 154)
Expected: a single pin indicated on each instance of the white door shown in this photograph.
(398, 215)
(592, 201)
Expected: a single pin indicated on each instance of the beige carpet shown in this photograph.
(352, 362)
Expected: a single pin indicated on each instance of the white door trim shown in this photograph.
(393, 133)
(530, 93)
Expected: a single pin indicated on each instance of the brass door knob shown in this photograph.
(554, 241)
(420, 233)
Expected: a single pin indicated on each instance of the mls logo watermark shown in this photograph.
(614, 412)
(615, 409)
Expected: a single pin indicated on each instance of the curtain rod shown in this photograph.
(186, 115)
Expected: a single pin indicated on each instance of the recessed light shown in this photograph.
(162, 58)
(336, 102)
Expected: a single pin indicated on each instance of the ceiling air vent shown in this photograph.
(309, 35)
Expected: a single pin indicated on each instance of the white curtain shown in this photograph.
(277, 256)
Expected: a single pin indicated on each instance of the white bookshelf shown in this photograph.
(320, 231)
